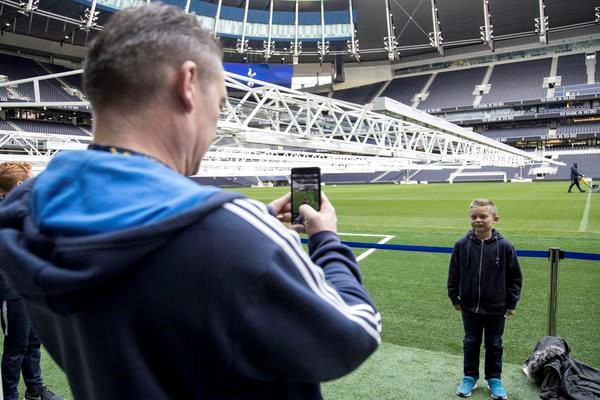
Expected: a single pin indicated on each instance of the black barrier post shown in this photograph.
(555, 255)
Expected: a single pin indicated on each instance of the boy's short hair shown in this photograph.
(12, 173)
(483, 203)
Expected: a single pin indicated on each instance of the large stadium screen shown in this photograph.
(273, 73)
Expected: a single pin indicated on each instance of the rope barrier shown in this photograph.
(448, 250)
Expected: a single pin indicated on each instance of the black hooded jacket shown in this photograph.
(484, 275)
(560, 376)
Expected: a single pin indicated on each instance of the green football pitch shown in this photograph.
(421, 352)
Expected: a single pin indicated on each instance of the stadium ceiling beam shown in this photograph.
(29, 7)
(50, 15)
(435, 37)
(242, 43)
(269, 45)
(267, 116)
(217, 19)
(353, 43)
(487, 29)
(90, 17)
(296, 45)
(542, 23)
(323, 45)
(390, 43)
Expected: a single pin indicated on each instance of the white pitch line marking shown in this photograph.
(586, 212)
(362, 234)
(370, 251)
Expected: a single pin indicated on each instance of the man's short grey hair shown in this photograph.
(127, 61)
(483, 203)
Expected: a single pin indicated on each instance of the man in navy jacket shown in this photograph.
(575, 175)
(144, 285)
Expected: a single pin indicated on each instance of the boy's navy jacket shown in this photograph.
(145, 285)
(484, 276)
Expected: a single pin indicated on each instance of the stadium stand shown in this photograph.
(432, 175)
(73, 80)
(495, 133)
(365, 177)
(4, 94)
(5, 126)
(226, 181)
(581, 128)
(393, 176)
(518, 81)
(49, 127)
(453, 89)
(404, 89)
(359, 95)
(511, 173)
(20, 68)
(587, 165)
(572, 69)
(597, 76)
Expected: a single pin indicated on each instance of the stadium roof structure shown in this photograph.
(314, 30)
(264, 122)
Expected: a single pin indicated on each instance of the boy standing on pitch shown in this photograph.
(484, 283)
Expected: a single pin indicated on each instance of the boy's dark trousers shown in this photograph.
(21, 349)
(475, 326)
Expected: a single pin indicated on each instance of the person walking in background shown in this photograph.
(575, 175)
(21, 353)
(484, 283)
(145, 285)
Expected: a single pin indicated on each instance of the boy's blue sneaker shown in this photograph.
(466, 386)
(497, 389)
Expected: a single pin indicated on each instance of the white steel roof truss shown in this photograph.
(275, 116)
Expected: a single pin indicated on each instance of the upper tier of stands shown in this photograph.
(518, 81)
(21, 68)
(572, 69)
(360, 95)
(509, 82)
(453, 89)
(404, 89)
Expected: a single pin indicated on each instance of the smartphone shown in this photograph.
(306, 189)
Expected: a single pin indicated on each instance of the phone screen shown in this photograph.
(306, 189)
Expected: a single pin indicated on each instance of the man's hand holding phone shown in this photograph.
(317, 221)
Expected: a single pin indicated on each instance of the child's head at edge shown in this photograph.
(13, 174)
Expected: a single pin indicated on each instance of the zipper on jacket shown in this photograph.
(479, 282)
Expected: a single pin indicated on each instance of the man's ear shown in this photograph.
(186, 82)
